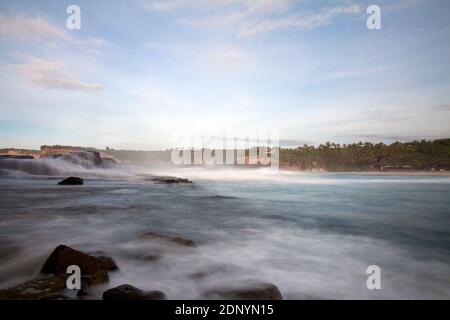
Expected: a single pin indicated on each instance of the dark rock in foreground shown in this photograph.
(71, 181)
(169, 239)
(261, 291)
(170, 180)
(94, 271)
(108, 261)
(128, 292)
(58, 297)
(64, 256)
(7, 156)
(34, 289)
(98, 277)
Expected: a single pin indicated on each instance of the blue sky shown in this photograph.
(140, 74)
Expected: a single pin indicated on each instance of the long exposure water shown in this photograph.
(312, 235)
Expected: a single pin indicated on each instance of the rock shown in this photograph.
(154, 295)
(143, 253)
(151, 257)
(260, 291)
(7, 156)
(34, 289)
(87, 158)
(90, 155)
(112, 160)
(64, 256)
(83, 292)
(58, 297)
(108, 261)
(128, 292)
(210, 271)
(71, 181)
(168, 239)
(108, 163)
(170, 180)
(98, 277)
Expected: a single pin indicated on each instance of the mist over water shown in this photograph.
(312, 235)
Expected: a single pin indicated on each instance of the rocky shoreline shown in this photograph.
(52, 281)
(95, 268)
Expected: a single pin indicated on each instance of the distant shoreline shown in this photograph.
(431, 158)
(377, 172)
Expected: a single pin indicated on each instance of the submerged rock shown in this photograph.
(170, 180)
(64, 256)
(211, 271)
(71, 181)
(128, 292)
(176, 240)
(151, 257)
(34, 289)
(260, 291)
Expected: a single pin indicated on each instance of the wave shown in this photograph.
(89, 164)
(82, 164)
(299, 177)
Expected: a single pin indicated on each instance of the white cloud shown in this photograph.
(23, 27)
(37, 28)
(253, 5)
(296, 22)
(53, 75)
(164, 5)
(251, 18)
(97, 42)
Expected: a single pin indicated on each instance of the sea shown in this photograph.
(313, 235)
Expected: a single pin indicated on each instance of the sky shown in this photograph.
(145, 74)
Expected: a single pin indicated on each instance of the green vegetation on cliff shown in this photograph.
(416, 155)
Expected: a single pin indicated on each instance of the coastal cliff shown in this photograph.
(422, 155)
(49, 152)
(12, 152)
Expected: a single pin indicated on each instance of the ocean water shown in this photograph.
(312, 235)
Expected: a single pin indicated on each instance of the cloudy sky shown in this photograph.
(141, 74)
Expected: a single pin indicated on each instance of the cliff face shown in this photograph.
(11, 152)
(48, 151)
